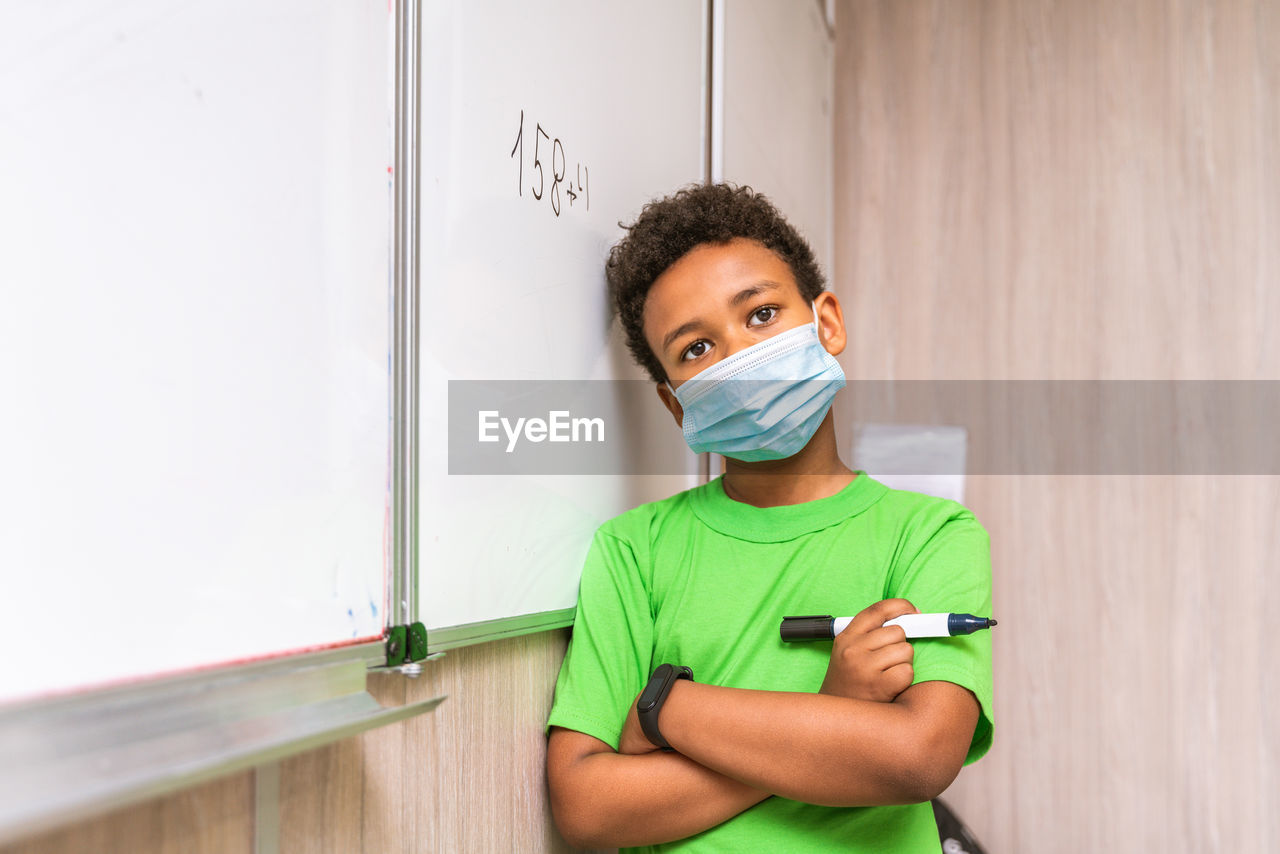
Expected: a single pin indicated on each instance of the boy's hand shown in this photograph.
(869, 660)
(633, 741)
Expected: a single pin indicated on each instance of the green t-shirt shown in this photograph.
(702, 580)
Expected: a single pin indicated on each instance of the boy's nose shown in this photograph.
(735, 340)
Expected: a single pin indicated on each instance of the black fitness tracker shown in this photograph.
(654, 695)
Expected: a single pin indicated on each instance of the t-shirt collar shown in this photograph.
(778, 524)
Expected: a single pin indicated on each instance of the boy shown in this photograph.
(768, 746)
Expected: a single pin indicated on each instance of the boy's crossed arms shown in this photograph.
(868, 737)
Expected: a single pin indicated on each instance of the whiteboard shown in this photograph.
(543, 126)
(194, 229)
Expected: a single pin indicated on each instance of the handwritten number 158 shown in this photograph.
(559, 166)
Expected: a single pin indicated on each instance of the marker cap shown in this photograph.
(818, 627)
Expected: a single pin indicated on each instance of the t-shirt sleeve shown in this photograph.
(611, 648)
(951, 572)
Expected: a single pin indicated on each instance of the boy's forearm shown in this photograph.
(823, 749)
(610, 800)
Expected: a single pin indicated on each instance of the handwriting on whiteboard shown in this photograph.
(555, 170)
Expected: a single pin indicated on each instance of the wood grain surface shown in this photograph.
(1087, 190)
(214, 818)
(468, 776)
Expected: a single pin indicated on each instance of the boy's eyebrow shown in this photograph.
(738, 298)
(755, 290)
(671, 336)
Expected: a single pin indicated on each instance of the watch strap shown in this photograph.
(654, 695)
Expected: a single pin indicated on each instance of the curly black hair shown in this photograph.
(669, 227)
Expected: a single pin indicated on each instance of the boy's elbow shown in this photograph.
(906, 783)
(581, 823)
(574, 809)
(925, 780)
(935, 740)
(574, 830)
(916, 770)
(929, 765)
(572, 817)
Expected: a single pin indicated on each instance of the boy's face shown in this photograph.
(722, 298)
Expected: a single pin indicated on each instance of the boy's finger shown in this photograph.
(904, 673)
(874, 616)
(888, 657)
(885, 636)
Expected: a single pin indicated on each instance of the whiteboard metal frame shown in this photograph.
(711, 466)
(467, 634)
(404, 420)
(715, 47)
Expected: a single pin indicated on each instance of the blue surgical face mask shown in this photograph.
(764, 402)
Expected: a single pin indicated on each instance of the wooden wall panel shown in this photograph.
(468, 776)
(1062, 190)
(215, 818)
(1029, 189)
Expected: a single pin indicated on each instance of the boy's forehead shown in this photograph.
(709, 276)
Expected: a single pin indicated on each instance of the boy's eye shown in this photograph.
(695, 350)
(763, 315)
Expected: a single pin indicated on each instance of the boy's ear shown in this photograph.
(669, 401)
(830, 323)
